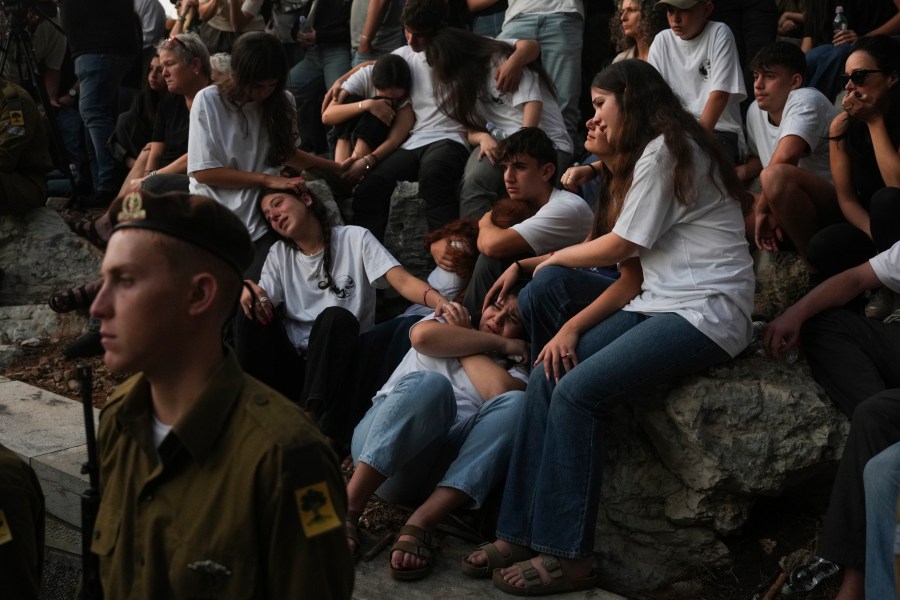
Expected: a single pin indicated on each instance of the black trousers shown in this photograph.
(842, 246)
(321, 379)
(852, 357)
(438, 168)
(875, 427)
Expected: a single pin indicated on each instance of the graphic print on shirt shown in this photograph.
(704, 69)
(344, 287)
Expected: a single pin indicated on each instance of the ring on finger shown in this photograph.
(566, 355)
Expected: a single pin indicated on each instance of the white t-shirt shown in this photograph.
(219, 136)
(697, 67)
(565, 220)
(468, 400)
(807, 114)
(222, 21)
(507, 111)
(517, 7)
(447, 283)
(358, 265)
(887, 267)
(695, 258)
(432, 124)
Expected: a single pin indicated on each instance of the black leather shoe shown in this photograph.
(806, 578)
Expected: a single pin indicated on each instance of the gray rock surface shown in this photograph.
(687, 462)
(406, 230)
(40, 255)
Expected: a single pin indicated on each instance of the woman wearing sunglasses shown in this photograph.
(865, 160)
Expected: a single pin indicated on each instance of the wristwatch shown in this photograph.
(73, 92)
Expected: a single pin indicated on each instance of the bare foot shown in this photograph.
(406, 561)
(513, 575)
(479, 558)
(573, 568)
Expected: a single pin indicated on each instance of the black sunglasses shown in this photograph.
(858, 76)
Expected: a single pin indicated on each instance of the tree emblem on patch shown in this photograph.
(317, 513)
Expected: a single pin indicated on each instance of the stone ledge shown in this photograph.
(47, 431)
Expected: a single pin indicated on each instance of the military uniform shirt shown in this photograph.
(242, 499)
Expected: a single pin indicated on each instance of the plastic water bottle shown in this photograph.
(303, 25)
(790, 357)
(496, 133)
(840, 21)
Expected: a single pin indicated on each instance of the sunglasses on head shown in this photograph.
(858, 76)
(174, 41)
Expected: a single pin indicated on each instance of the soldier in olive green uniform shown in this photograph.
(21, 528)
(24, 152)
(212, 485)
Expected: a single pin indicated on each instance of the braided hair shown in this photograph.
(318, 210)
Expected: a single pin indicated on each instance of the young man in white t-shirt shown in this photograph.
(787, 136)
(698, 58)
(528, 160)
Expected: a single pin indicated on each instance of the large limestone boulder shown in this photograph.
(39, 255)
(406, 229)
(687, 462)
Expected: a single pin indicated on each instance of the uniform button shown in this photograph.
(262, 400)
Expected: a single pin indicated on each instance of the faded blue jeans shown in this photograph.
(411, 436)
(552, 491)
(560, 36)
(881, 478)
(99, 77)
(556, 295)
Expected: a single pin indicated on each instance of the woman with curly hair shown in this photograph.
(634, 26)
(243, 131)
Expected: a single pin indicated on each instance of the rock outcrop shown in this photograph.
(687, 462)
(39, 255)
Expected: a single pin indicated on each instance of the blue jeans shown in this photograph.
(552, 492)
(881, 478)
(556, 295)
(560, 36)
(99, 76)
(411, 436)
(308, 80)
(489, 25)
(823, 66)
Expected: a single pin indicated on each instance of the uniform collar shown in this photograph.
(201, 427)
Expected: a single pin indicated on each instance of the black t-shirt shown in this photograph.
(101, 27)
(171, 128)
(862, 17)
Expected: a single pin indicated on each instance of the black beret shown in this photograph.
(197, 220)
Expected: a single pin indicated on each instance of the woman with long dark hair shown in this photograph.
(865, 160)
(322, 281)
(243, 131)
(674, 204)
(464, 67)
